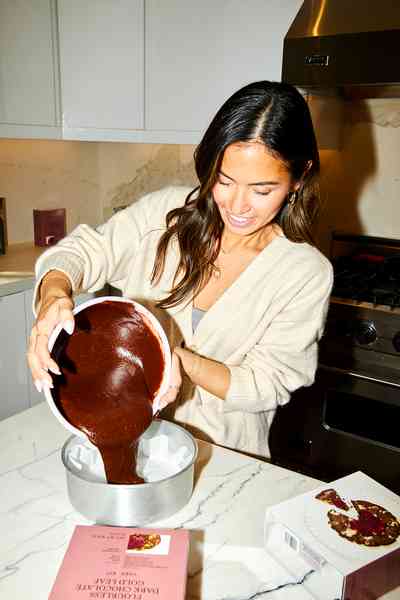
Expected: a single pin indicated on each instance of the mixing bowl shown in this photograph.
(155, 327)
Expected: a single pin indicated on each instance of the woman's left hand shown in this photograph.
(175, 382)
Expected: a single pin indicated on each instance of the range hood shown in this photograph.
(349, 47)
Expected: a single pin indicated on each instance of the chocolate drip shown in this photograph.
(112, 367)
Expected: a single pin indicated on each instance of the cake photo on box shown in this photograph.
(353, 517)
(143, 541)
(148, 543)
(374, 525)
(342, 539)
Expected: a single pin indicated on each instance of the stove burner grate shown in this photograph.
(368, 278)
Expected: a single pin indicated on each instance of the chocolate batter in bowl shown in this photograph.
(115, 367)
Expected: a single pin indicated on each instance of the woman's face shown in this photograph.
(252, 186)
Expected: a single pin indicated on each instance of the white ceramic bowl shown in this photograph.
(154, 325)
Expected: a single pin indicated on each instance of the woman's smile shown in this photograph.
(239, 220)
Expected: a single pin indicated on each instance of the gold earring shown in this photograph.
(292, 197)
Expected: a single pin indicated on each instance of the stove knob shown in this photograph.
(396, 341)
(365, 332)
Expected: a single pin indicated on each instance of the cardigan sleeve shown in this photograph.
(285, 358)
(90, 257)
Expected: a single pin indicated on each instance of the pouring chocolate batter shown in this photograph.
(112, 367)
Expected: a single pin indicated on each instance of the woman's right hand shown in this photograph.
(56, 306)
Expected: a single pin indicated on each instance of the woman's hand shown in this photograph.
(56, 306)
(175, 382)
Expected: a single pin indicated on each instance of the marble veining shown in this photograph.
(164, 169)
(225, 517)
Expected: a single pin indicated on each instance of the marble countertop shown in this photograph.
(225, 517)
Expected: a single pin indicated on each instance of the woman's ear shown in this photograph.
(308, 167)
(299, 183)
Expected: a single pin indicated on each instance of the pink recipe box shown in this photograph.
(118, 562)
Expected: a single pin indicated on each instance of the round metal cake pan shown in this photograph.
(136, 504)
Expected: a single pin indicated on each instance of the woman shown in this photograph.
(229, 269)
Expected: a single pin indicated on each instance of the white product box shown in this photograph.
(352, 550)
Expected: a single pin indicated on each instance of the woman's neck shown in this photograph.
(255, 242)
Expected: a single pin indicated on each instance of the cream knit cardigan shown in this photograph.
(264, 328)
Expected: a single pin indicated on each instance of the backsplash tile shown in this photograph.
(45, 174)
(87, 178)
(164, 167)
(360, 182)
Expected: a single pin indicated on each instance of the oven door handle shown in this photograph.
(351, 373)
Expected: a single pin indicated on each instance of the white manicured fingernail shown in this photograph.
(55, 371)
(46, 384)
(38, 385)
(69, 327)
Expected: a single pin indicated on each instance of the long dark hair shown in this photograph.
(275, 114)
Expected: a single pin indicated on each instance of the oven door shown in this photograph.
(344, 422)
(356, 426)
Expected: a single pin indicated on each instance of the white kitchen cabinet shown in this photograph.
(131, 70)
(101, 45)
(199, 53)
(29, 85)
(14, 395)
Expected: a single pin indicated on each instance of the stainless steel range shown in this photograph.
(349, 419)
